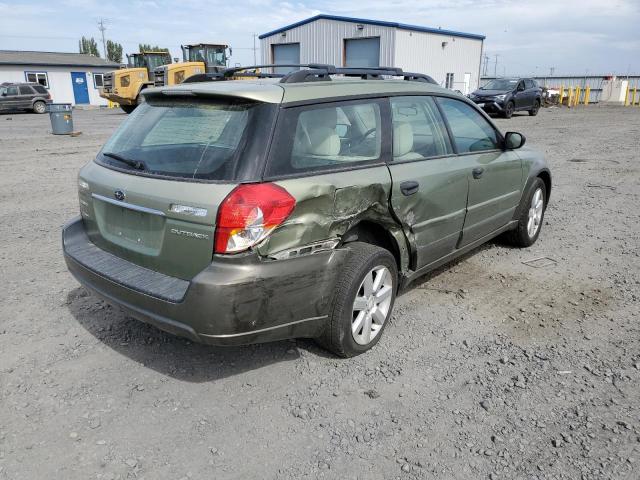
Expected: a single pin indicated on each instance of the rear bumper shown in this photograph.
(233, 301)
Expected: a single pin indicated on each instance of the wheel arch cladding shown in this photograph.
(545, 176)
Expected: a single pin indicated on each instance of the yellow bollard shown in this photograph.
(569, 97)
(587, 95)
(578, 93)
(626, 97)
(560, 95)
(633, 99)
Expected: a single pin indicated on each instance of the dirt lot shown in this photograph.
(489, 369)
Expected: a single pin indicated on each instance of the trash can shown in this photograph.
(61, 118)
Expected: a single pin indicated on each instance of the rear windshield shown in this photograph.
(179, 138)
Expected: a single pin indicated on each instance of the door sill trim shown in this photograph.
(456, 253)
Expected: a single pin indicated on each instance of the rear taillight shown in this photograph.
(249, 214)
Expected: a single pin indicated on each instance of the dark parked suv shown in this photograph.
(507, 95)
(24, 96)
(246, 211)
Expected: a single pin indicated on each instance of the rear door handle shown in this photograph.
(477, 172)
(409, 188)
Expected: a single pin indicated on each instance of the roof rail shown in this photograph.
(311, 72)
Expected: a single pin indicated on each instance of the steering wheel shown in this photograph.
(364, 136)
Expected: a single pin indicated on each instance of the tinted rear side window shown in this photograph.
(40, 89)
(471, 131)
(25, 90)
(189, 139)
(326, 137)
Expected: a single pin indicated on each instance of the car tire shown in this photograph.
(536, 108)
(39, 107)
(128, 108)
(363, 300)
(509, 108)
(532, 210)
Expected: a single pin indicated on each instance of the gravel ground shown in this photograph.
(490, 368)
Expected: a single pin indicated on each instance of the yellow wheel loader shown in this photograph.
(124, 86)
(197, 59)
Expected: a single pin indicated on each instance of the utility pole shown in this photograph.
(255, 61)
(102, 28)
(486, 65)
(495, 67)
(551, 71)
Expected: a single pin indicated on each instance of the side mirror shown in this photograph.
(514, 140)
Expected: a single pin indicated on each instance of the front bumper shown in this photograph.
(489, 105)
(233, 301)
(114, 97)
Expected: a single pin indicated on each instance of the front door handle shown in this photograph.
(477, 172)
(409, 188)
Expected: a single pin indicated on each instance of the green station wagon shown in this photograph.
(242, 211)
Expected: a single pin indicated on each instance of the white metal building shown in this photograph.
(70, 77)
(451, 58)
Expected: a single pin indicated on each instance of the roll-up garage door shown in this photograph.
(362, 52)
(286, 54)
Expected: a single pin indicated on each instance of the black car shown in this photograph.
(504, 96)
(24, 96)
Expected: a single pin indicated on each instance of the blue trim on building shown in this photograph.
(380, 23)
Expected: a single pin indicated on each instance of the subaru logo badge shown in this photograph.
(119, 194)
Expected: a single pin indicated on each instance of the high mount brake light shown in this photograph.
(249, 214)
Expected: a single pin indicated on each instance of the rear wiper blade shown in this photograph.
(137, 164)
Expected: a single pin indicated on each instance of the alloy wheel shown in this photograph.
(371, 305)
(535, 213)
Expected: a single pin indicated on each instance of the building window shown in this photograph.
(37, 77)
(449, 81)
(98, 80)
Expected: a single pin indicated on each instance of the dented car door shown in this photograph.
(430, 185)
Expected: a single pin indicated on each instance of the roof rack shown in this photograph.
(311, 72)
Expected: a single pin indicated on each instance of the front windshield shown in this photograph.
(500, 84)
(136, 61)
(192, 139)
(154, 61)
(213, 56)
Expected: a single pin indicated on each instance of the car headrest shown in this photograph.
(323, 141)
(402, 138)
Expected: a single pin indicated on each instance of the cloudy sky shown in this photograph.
(529, 37)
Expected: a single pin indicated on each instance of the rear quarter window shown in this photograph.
(327, 137)
(40, 89)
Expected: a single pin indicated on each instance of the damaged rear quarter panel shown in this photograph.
(328, 205)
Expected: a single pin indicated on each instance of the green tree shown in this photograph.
(146, 47)
(89, 46)
(114, 51)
